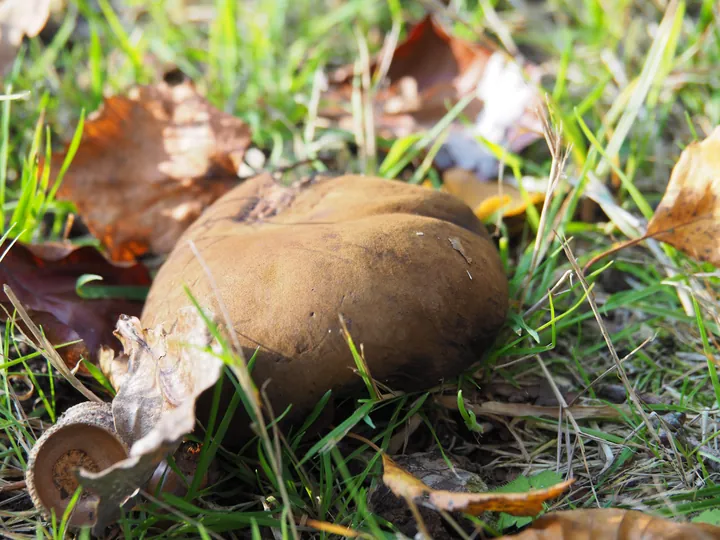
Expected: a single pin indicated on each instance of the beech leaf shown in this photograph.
(155, 404)
(149, 163)
(430, 72)
(688, 216)
(612, 524)
(45, 278)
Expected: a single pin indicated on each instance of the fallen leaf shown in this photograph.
(149, 163)
(405, 485)
(612, 524)
(155, 404)
(44, 278)
(529, 503)
(429, 73)
(487, 199)
(688, 216)
(522, 483)
(400, 482)
(19, 18)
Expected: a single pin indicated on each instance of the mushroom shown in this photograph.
(413, 273)
(83, 437)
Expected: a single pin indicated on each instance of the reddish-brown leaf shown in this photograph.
(44, 278)
(431, 71)
(612, 524)
(149, 163)
(688, 216)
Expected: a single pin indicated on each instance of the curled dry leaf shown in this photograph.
(405, 485)
(613, 524)
(155, 404)
(149, 163)
(688, 216)
(19, 18)
(429, 73)
(44, 278)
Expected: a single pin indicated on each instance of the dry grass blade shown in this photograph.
(491, 408)
(616, 359)
(242, 373)
(44, 346)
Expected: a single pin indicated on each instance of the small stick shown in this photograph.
(13, 486)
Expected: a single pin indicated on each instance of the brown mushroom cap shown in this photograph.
(413, 272)
(83, 437)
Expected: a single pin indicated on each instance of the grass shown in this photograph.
(629, 85)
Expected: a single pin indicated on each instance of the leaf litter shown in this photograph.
(429, 73)
(613, 524)
(154, 408)
(149, 163)
(45, 279)
(140, 372)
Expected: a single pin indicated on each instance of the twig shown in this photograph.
(13, 486)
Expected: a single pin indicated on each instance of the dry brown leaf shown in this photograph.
(405, 485)
(149, 163)
(19, 18)
(612, 524)
(155, 404)
(688, 216)
(44, 279)
(429, 73)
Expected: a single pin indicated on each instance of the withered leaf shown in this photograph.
(149, 163)
(44, 279)
(488, 198)
(405, 485)
(688, 216)
(155, 404)
(612, 524)
(19, 18)
(429, 73)
(402, 483)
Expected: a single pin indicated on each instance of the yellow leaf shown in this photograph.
(487, 198)
(402, 483)
(528, 503)
(688, 216)
(405, 485)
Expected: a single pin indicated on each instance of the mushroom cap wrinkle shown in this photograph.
(413, 273)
